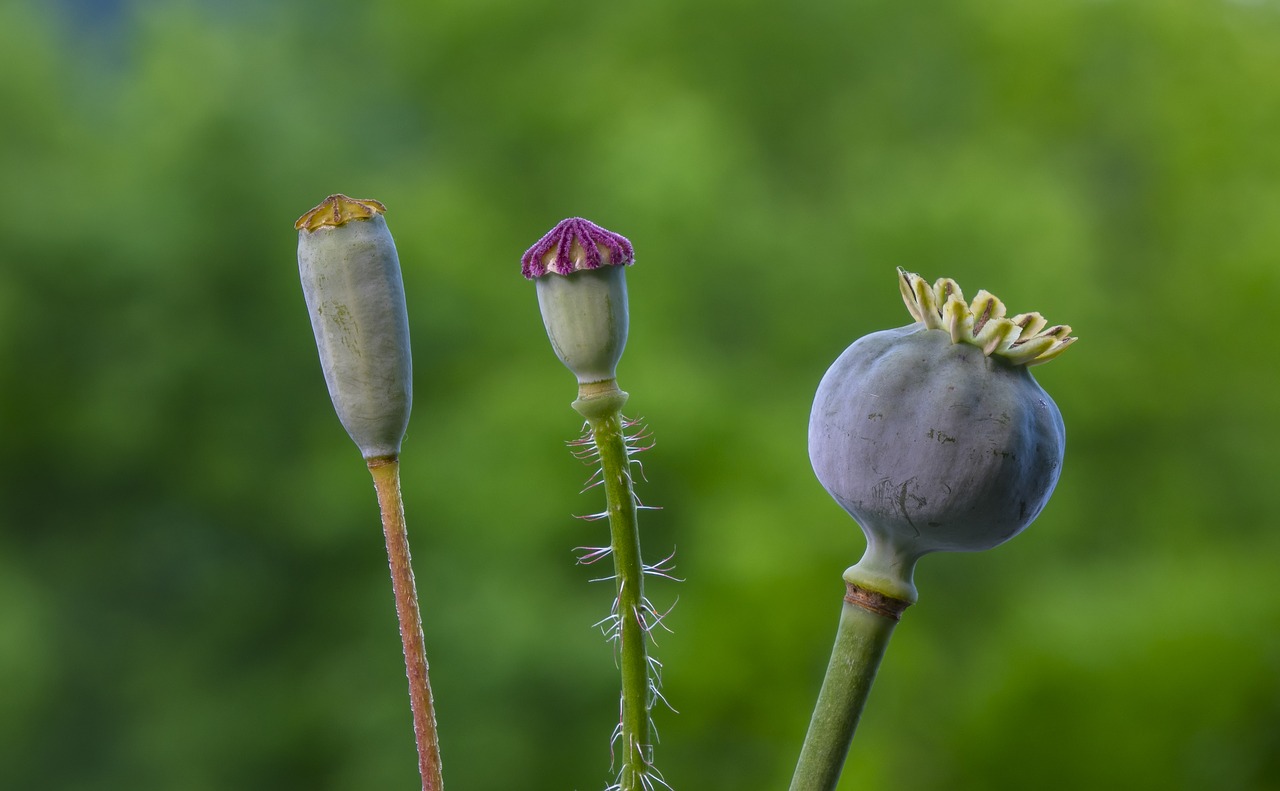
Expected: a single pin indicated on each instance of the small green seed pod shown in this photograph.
(351, 280)
(579, 271)
(935, 436)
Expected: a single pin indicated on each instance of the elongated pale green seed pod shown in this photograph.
(351, 279)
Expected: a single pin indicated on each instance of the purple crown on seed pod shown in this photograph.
(573, 245)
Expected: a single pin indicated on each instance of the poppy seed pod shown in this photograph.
(351, 280)
(578, 269)
(935, 436)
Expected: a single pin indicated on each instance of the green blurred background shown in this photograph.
(193, 590)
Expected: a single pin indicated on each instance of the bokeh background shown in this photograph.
(193, 590)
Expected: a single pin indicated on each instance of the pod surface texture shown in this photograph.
(930, 445)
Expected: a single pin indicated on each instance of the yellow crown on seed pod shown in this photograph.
(338, 209)
(1025, 339)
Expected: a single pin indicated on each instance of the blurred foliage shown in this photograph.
(193, 590)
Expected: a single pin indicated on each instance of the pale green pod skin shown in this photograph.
(931, 446)
(351, 279)
(585, 313)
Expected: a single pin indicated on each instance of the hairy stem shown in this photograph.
(866, 623)
(604, 416)
(386, 479)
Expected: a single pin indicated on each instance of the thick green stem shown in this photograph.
(866, 623)
(386, 479)
(603, 414)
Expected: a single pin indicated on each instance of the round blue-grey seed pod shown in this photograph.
(351, 280)
(934, 444)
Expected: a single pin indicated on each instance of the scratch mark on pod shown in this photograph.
(903, 496)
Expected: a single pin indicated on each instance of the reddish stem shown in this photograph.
(386, 479)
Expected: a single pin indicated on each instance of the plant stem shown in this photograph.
(603, 413)
(386, 479)
(866, 623)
